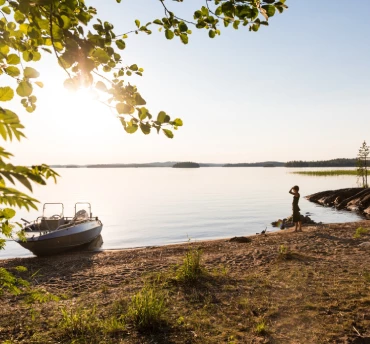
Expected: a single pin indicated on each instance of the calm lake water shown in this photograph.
(158, 206)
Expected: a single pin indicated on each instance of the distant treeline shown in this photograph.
(258, 164)
(295, 163)
(323, 163)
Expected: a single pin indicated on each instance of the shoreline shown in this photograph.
(304, 287)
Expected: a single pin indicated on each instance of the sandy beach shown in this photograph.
(283, 287)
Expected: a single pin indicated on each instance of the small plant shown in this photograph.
(39, 296)
(11, 283)
(180, 321)
(231, 340)
(113, 325)
(147, 308)
(284, 252)
(360, 231)
(261, 328)
(191, 268)
(79, 323)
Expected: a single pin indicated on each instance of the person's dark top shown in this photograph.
(295, 203)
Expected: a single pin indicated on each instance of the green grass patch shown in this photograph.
(360, 231)
(79, 323)
(191, 269)
(328, 173)
(147, 308)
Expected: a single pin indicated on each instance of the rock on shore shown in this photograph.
(355, 199)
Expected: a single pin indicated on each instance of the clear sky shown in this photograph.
(298, 89)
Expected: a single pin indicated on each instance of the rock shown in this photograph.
(288, 222)
(354, 199)
(240, 240)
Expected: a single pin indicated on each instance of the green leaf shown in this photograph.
(30, 72)
(270, 10)
(134, 67)
(236, 24)
(101, 86)
(6, 9)
(23, 180)
(178, 122)
(39, 84)
(183, 27)
(6, 93)
(143, 113)
(101, 55)
(161, 117)
(145, 128)
(121, 44)
(184, 38)
(27, 56)
(124, 109)
(158, 22)
(139, 100)
(24, 89)
(13, 59)
(12, 71)
(66, 22)
(137, 22)
(19, 17)
(131, 128)
(8, 213)
(168, 133)
(211, 34)
(169, 34)
(11, 26)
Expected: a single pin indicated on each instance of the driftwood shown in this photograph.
(355, 199)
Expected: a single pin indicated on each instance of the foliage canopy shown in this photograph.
(90, 52)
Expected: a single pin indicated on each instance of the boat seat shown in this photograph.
(51, 224)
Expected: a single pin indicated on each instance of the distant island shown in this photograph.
(187, 164)
(340, 162)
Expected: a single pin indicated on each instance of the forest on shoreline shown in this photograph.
(340, 162)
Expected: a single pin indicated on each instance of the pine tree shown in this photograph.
(362, 162)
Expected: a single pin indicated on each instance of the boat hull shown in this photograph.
(64, 239)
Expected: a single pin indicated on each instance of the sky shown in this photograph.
(296, 90)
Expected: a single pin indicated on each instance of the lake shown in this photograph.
(158, 206)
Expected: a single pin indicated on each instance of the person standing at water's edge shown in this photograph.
(296, 214)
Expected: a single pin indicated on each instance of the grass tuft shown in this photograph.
(360, 231)
(261, 328)
(284, 253)
(147, 308)
(79, 323)
(191, 269)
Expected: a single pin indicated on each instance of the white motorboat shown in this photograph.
(57, 233)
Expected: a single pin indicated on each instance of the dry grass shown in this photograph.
(310, 287)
